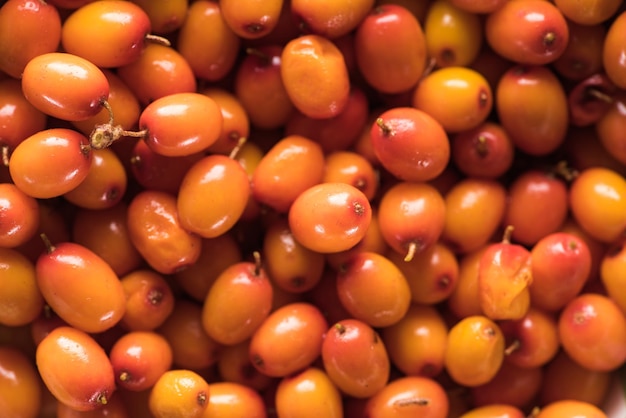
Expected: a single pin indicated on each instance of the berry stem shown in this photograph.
(156, 39)
(48, 244)
(233, 153)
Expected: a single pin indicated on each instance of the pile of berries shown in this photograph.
(297, 208)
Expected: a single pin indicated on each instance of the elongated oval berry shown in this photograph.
(75, 368)
(65, 86)
(80, 287)
(212, 196)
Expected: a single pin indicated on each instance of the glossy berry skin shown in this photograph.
(309, 393)
(39, 27)
(212, 196)
(330, 217)
(65, 86)
(289, 339)
(503, 279)
(75, 369)
(118, 28)
(528, 32)
(613, 49)
(355, 358)
(410, 144)
(390, 48)
(570, 409)
(19, 216)
(68, 150)
(92, 306)
(181, 124)
(409, 396)
(592, 330)
(237, 303)
(20, 384)
(317, 60)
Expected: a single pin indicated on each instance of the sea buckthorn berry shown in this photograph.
(206, 41)
(289, 339)
(611, 272)
(155, 230)
(367, 274)
(411, 217)
(66, 160)
(317, 60)
(355, 358)
(229, 399)
(472, 93)
(179, 393)
(474, 211)
(21, 300)
(149, 300)
(20, 384)
(504, 277)
(19, 216)
(166, 16)
(245, 290)
(75, 369)
(565, 379)
(597, 200)
(588, 12)
(483, 152)
(65, 86)
(139, 358)
(475, 351)
(250, 19)
(409, 396)
(225, 189)
(290, 265)
(259, 86)
(613, 49)
(592, 330)
(308, 393)
(39, 27)
(158, 72)
(92, 306)
(118, 28)
(453, 36)
(537, 205)
(583, 55)
(105, 184)
(191, 347)
(432, 274)
(18, 119)
(532, 106)
(464, 300)
(291, 166)
(105, 232)
(530, 32)
(495, 410)
(570, 409)
(590, 100)
(411, 144)
(330, 19)
(416, 344)
(610, 122)
(390, 48)
(330, 217)
(181, 124)
(561, 265)
(531, 341)
(235, 121)
(352, 168)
